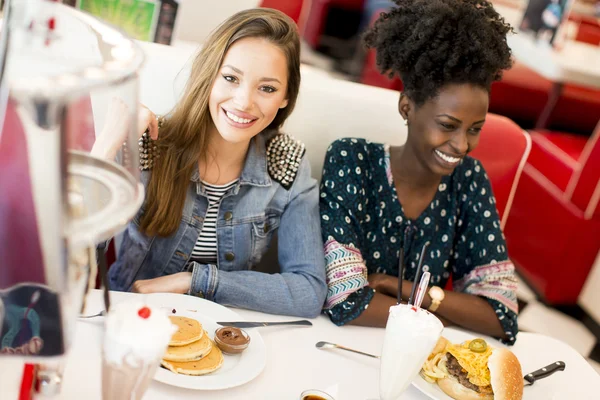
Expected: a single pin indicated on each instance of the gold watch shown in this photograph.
(437, 296)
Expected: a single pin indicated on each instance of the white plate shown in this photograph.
(237, 369)
(432, 390)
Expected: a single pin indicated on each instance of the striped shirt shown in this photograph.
(205, 249)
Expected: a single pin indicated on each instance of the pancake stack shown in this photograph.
(191, 351)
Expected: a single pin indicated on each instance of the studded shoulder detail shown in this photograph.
(283, 158)
(148, 149)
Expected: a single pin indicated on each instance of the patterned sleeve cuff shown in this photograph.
(352, 307)
(494, 282)
(508, 320)
(204, 281)
(346, 272)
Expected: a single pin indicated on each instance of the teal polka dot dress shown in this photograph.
(364, 227)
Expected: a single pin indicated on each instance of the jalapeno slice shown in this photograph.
(478, 345)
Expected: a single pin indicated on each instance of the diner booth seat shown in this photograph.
(553, 229)
(588, 33)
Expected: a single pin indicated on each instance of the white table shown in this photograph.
(575, 62)
(294, 364)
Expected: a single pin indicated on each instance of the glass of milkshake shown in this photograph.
(411, 334)
(135, 339)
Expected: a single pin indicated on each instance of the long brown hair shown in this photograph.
(183, 136)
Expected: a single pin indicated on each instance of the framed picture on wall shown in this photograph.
(137, 18)
(166, 21)
(150, 20)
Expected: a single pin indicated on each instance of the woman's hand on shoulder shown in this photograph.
(116, 126)
(147, 120)
(176, 283)
(118, 118)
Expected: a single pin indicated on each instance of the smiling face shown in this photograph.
(249, 89)
(445, 128)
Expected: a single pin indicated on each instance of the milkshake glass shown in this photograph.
(411, 334)
(135, 339)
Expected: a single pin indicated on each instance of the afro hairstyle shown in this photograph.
(433, 43)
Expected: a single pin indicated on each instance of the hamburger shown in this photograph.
(473, 370)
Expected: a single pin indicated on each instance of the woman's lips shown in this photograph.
(239, 120)
(447, 159)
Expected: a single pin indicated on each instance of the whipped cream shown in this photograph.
(135, 340)
(410, 336)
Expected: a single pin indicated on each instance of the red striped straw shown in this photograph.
(28, 382)
(423, 284)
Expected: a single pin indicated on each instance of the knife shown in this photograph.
(545, 372)
(243, 324)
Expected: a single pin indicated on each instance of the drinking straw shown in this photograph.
(103, 270)
(418, 274)
(423, 283)
(400, 274)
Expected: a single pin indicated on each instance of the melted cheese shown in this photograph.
(474, 363)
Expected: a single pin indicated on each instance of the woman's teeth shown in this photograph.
(446, 158)
(237, 119)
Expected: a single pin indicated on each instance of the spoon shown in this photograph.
(328, 345)
(101, 313)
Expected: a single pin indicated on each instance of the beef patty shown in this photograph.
(460, 374)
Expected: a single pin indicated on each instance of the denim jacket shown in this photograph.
(249, 215)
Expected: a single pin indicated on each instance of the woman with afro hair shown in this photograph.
(377, 199)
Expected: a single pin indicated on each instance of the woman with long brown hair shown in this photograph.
(221, 180)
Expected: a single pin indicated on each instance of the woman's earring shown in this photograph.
(406, 122)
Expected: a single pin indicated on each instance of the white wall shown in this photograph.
(197, 18)
(589, 298)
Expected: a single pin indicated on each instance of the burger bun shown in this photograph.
(506, 380)
(454, 389)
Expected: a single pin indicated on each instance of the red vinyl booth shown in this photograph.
(553, 230)
(588, 33)
(292, 8)
(316, 16)
(503, 150)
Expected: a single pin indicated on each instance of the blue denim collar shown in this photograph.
(255, 171)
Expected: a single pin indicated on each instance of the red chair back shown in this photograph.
(584, 186)
(588, 33)
(503, 150)
(291, 8)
